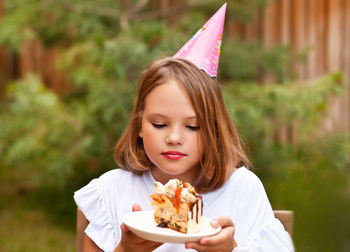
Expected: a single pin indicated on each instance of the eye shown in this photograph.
(194, 128)
(158, 125)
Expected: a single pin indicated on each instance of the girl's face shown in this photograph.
(171, 134)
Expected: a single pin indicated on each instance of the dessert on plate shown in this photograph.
(177, 206)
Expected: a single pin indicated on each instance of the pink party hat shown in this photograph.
(203, 49)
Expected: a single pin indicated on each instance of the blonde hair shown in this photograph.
(223, 149)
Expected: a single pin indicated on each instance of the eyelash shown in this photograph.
(160, 126)
(194, 128)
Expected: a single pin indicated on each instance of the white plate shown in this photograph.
(143, 224)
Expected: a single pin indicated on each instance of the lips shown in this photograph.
(173, 155)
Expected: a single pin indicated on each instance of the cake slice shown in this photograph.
(177, 206)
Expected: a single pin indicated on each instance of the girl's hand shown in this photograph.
(221, 242)
(132, 242)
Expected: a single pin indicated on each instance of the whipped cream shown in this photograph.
(187, 194)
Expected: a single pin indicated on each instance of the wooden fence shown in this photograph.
(321, 26)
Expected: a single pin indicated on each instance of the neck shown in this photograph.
(162, 177)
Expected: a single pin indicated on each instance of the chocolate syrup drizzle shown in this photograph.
(197, 207)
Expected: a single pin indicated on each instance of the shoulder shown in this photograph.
(251, 191)
(242, 183)
(109, 188)
(245, 179)
(118, 179)
(108, 184)
(114, 174)
(247, 185)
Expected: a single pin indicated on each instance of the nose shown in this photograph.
(174, 137)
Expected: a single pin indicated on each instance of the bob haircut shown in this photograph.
(222, 146)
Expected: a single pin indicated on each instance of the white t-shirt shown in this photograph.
(104, 201)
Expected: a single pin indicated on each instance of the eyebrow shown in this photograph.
(164, 116)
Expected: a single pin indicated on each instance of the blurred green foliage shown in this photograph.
(310, 176)
(56, 144)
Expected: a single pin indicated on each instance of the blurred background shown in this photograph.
(68, 74)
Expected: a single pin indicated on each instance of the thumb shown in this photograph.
(136, 207)
(214, 223)
(222, 221)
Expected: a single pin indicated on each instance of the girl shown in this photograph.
(180, 128)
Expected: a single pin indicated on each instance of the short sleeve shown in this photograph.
(257, 229)
(91, 202)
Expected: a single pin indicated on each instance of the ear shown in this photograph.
(140, 133)
(140, 121)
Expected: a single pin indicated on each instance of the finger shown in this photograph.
(225, 234)
(214, 223)
(198, 247)
(224, 240)
(124, 228)
(224, 221)
(136, 207)
(156, 245)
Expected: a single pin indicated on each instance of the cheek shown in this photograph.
(148, 134)
(144, 131)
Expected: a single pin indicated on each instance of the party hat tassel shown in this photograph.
(203, 49)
